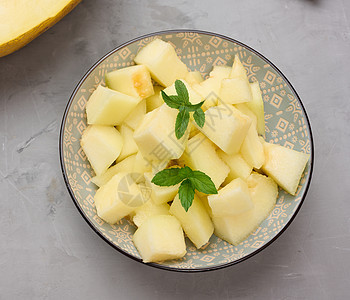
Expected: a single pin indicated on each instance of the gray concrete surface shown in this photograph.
(47, 251)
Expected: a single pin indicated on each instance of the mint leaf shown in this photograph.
(191, 181)
(186, 194)
(181, 123)
(168, 177)
(170, 101)
(199, 117)
(182, 92)
(203, 183)
(194, 107)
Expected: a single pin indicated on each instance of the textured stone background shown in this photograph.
(48, 251)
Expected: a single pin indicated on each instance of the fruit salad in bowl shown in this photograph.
(186, 150)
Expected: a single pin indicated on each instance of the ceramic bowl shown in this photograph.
(286, 124)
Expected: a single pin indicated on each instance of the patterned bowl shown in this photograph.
(286, 124)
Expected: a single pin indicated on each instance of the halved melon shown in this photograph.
(24, 20)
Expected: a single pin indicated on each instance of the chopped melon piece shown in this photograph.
(133, 81)
(238, 166)
(235, 90)
(235, 229)
(200, 155)
(220, 72)
(195, 222)
(162, 61)
(126, 165)
(109, 107)
(160, 238)
(143, 212)
(238, 70)
(161, 194)
(233, 199)
(193, 96)
(284, 165)
(118, 198)
(156, 100)
(102, 146)
(155, 136)
(257, 106)
(194, 77)
(136, 115)
(252, 149)
(129, 145)
(243, 108)
(141, 165)
(226, 126)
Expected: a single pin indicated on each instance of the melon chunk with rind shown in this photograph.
(226, 127)
(118, 198)
(162, 61)
(126, 165)
(235, 229)
(196, 222)
(233, 199)
(102, 146)
(134, 81)
(284, 165)
(160, 238)
(109, 107)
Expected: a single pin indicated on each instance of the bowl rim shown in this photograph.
(95, 229)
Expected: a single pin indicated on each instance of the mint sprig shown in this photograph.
(182, 103)
(190, 181)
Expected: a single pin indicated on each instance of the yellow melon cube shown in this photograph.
(118, 198)
(195, 222)
(238, 70)
(235, 90)
(160, 194)
(155, 100)
(102, 146)
(284, 165)
(252, 149)
(109, 107)
(226, 127)
(141, 165)
(126, 165)
(129, 145)
(162, 61)
(136, 115)
(142, 213)
(238, 166)
(194, 77)
(155, 136)
(220, 72)
(160, 238)
(134, 81)
(257, 106)
(235, 229)
(243, 108)
(200, 155)
(233, 199)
